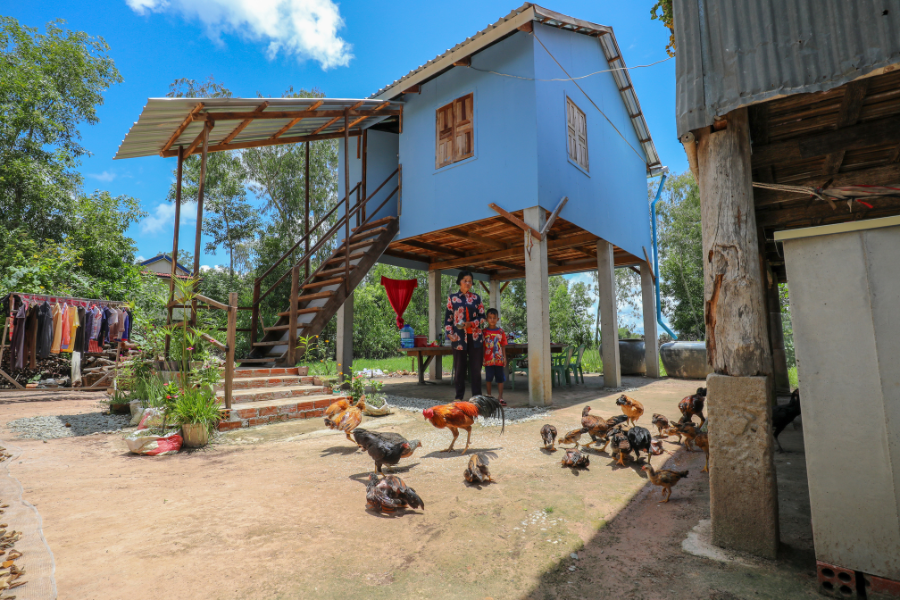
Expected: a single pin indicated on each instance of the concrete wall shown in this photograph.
(844, 291)
(610, 200)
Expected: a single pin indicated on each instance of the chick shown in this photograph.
(548, 435)
(661, 423)
(572, 437)
(689, 430)
(665, 478)
(701, 440)
(389, 494)
(575, 459)
(477, 471)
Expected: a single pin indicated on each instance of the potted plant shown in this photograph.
(197, 411)
(376, 403)
(118, 403)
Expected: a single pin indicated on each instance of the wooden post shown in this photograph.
(651, 337)
(347, 199)
(435, 319)
(175, 244)
(609, 318)
(254, 314)
(737, 346)
(292, 326)
(537, 304)
(365, 160)
(306, 212)
(230, 341)
(200, 188)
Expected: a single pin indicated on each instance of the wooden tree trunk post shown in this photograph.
(743, 492)
(651, 337)
(230, 341)
(254, 314)
(435, 319)
(306, 212)
(201, 185)
(537, 298)
(292, 325)
(344, 343)
(175, 245)
(347, 202)
(609, 318)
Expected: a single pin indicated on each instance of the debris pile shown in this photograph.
(10, 573)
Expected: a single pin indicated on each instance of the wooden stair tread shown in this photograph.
(273, 343)
(366, 234)
(341, 257)
(317, 284)
(300, 311)
(374, 224)
(314, 296)
(330, 272)
(257, 360)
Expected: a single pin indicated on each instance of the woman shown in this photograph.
(463, 322)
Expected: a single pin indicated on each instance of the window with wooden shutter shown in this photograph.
(455, 132)
(576, 126)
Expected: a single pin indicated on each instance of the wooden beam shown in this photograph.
(463, 62)
(296, 120)
(244, 123)
(475, 238)
(407, 255)
(546, 228)
(431, 247)
(289, 114)
(526, 27)
(269, 142)
(180, 129)
(883, 175)
(416, 89)
(516, 221)
(363, 118)
(513, 252)
(851, 108)
(649, 264)
(486, 288)
(203, 138)
(819, 213)
(503, 287)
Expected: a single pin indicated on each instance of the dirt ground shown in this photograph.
(278, 512)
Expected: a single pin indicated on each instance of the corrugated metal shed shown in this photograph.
(734, 53)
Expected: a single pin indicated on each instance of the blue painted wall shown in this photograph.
(382, 161)
(611, 200)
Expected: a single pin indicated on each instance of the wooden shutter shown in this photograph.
(443, 154)
(464, 141)
(576, 125)
(570, 127)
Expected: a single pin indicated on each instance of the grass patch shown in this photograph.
(793, 377)
(388, 365)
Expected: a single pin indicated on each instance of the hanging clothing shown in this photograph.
(399, 293)
(57, 329)
(79, 333)
(73, 328)
(126, 325)
(66, 328)
(95, 327)
(464, 308)
(88, 328)
(104, 327)
(113, 324)
(76, 368)
(17, 347)
(45, 330)
(31, 331)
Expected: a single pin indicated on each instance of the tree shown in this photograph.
(662, 11)
(681, 255)
(50, 84)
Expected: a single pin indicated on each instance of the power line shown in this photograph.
(571, 78)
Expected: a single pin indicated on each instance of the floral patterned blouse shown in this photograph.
(461, 308)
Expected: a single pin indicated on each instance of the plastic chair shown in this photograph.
(575, 367)
(516, 364)
(559, 365)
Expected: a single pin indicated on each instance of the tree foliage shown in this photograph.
(662, 11)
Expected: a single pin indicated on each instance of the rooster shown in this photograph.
(477, 472)
(631, 408)
(665, 479)
(461, 415)
(389, 494)
(343, 418)
(693, 405)
(548, 435)
(385, 448)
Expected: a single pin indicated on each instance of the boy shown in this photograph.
(494, 355)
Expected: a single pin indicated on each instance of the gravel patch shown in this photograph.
(513, 415)
(50, 428)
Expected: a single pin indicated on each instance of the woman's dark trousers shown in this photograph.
(472, 358)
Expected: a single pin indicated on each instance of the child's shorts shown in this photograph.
(494, 373)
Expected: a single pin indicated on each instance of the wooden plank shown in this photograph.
(458, 233)
(211, 302)
(230, 342)
(270, 142)
(649, 264)
(407, 255)
(213, 341)
(516, 221)
(293, 114)
(364, 117)
(244, 123)
(546, 228)
(851, 107)
(819, 213)
(503, 287)
(177, 228)
(180, 129)
(432, 247)
(514, 252)
(416, 89)
(882, 175)
(203, 135)
(296, 120)
(463, 62)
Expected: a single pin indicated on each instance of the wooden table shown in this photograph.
(426, 354)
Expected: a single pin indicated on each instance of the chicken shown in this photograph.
(385, 448)
(575, 459)
(336, 408)
(689, 430)
(631, 408)
(673, 430)
(548, 434)
(572, 437)
(639, 438)
(616, 420)
(661, 423)
(390, 493)
(665, 478)
(656, 448)
(620, 445)
(346, 419)
(693, 405)
(783, 415)
(477, 471)
(461, 415)
(702, 442)
(594, 426)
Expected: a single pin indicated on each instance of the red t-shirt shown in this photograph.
(494, 339)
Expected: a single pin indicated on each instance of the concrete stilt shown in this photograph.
(436, 306)
(344, 339)
(651, 337)
(537, 297)
(609, 320)
(495, 294)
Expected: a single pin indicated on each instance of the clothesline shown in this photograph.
(83, 302)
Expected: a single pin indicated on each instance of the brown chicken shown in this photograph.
(621, 446)
(631, 408)
(548, 435)
(661, 423)
(462, 415)
(345, 419)
(665, 478)
(575, 459)
(477, 472)
(390, 493)
(689, 431)
(702, 441)
(572, 437)
(693, 405)
(673, 430)
(594, 426)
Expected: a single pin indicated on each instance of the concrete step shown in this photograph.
(269, 381)
(271, 393)
(251, 414)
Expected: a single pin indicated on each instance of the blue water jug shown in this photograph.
(407, 337)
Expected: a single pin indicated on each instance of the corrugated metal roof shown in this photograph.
(508, 25)
(161, 118)
(734, 53)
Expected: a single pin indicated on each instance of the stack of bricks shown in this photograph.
(237, 418)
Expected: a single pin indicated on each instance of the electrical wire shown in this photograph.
(571, 78)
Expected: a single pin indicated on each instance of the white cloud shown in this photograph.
(104, 176)
(139, 259)
(302, 28)
(162, 217)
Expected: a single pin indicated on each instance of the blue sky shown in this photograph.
(346, 49)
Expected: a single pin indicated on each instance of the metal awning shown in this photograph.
(167, 123)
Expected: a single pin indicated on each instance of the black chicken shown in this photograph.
(385, 448)
(784, 414)
(390, 493)
(548, 434)
(639, 439)
(693, 405)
